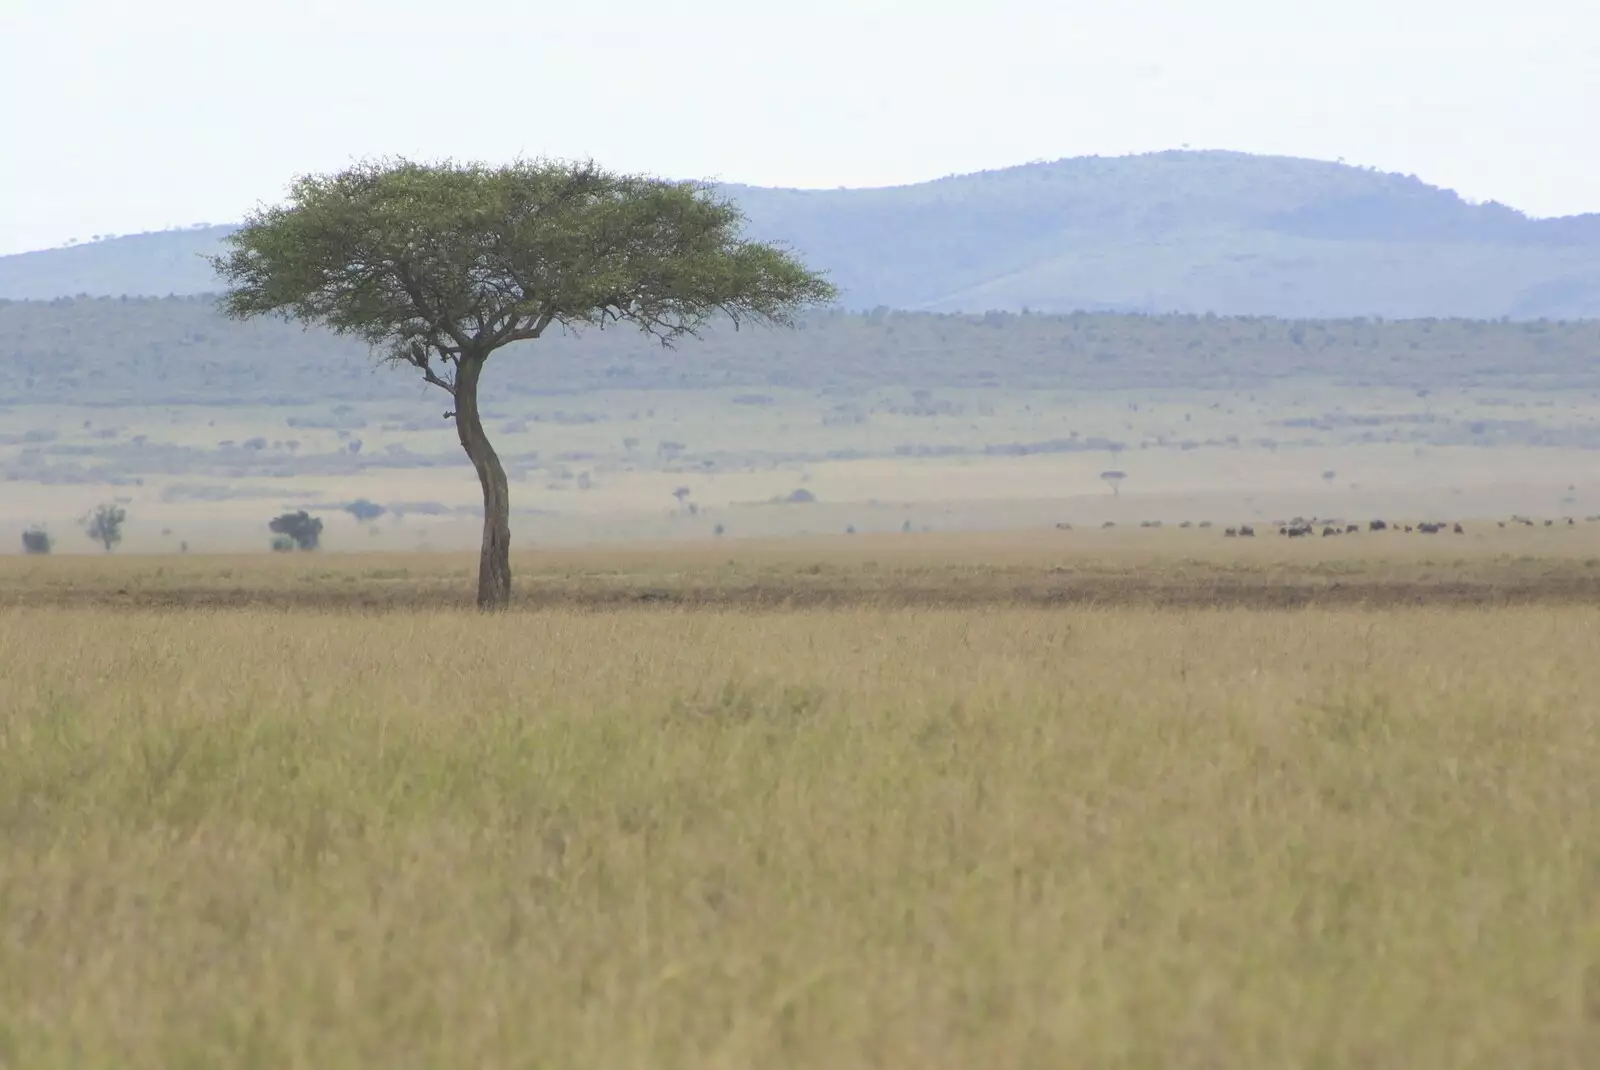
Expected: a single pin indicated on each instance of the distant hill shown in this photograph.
(158, 264)
(1194, 232)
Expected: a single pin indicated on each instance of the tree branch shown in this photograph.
(438, 323)
(419, 357)
(431, 376)
(512, 334)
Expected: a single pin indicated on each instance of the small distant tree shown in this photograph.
(364, 510)
(1329, 475)
(105, 524)
(1114, 480)
(681, 494)
(301, 528)
(282, 544)
(439, 266)
(36, 540)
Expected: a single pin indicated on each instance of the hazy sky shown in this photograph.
(118, 117)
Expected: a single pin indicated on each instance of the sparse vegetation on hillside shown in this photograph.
(1172, 231)
(178, 351)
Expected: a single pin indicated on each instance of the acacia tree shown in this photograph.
(438, 266)
(104, 525)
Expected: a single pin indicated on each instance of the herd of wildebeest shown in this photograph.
(1301, 527)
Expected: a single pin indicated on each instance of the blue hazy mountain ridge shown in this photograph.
(1223, 232)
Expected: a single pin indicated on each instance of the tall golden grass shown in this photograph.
(844, 837)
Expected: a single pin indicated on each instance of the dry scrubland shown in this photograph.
(671, 819)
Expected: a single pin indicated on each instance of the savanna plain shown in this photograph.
(1082, 798)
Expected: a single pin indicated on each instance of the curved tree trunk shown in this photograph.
(494, 559)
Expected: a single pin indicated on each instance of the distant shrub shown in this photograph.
(364, 510)
(282, 544)
(303, 530)
(36, 540)
(801, 495)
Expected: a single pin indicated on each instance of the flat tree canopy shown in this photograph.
(439, 265)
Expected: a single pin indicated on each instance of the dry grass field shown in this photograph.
(1151, 800)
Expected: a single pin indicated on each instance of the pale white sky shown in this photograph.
(120, 117)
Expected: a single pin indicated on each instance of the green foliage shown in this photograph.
(426, 261)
